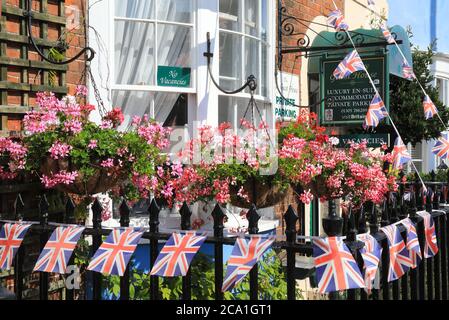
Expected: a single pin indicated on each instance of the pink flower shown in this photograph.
(306, 197)
(73, 126)
(106, 124)
(59, 150)
(81, 90)
(92, 144)
(62, 177)
(108, 163)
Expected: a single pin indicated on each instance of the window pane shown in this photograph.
(230, 63)
(252, 60)
(251, 17)
(175, 10)
(134, 53)
(264, 23)
(230, 14)
(227, 113)
(174, 45)
(141, 9)
(170, 108)
(264, 77)
(167, 108)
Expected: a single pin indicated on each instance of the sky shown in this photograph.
(417, 14)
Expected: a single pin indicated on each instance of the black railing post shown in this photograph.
(361, 229)
(437, 260)
(373, 229)
(43, 276)
(443, 246)
(291, 219)
(154, 228)
(404, 280)
(218, 216)
(186, 225)
(385, 221)
(97, 209)
(393, 219)
(69, 217)
(414, 273)
(353, 244)
(429, 262)
(18, 263)
(124, 222)
(253, 228)
(333, 227)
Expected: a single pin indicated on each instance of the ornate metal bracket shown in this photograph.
(62, 45)
(251, 81)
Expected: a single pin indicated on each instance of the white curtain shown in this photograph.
(135, 50)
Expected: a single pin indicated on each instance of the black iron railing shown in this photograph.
(429, 281)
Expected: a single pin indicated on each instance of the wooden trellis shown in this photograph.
(22, 71)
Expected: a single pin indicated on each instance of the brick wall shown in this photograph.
(307, 10)
(72, 13)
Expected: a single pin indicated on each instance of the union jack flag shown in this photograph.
(412, 243)
(114, 253)
(376, 112)
(429, 108)
(244, 256)
(337, 21)
(400, 261)
(441, 148)
(58, 250)
(387, 34)
(11, 237)
(431, 244)
(177, 254)
(407, 71)
(350, 64)
(371, 254)
(336, 268)
(401, 155)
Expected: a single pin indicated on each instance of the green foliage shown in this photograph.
(272, 284)
(406, 98)
(55, 55)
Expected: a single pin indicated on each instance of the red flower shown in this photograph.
(115, 116)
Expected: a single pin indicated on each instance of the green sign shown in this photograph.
(373, 140)
(173, 76)
(347, 100)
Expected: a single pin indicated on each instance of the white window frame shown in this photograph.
(156, 22)
(269, 99)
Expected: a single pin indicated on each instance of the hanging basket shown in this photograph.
(102, 180)
(266, 194)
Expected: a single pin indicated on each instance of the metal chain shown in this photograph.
(101, 107)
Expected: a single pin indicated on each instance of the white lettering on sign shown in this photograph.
(285, 108)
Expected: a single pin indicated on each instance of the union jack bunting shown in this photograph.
(400, 261)
(431, 244)
(114, 253)
(441, 148)
(407, 71)
(429, 108)
(371, 3)
(387, 34)
(336, 268)
(412, 243)
(350, 64)
(58, 250)
(401, 155)
(337, 21)
(371, 254)
(376, 112)
(177, 254)
(11, 237)
(244, 256)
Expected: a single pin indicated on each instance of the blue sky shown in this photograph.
(417, 13)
